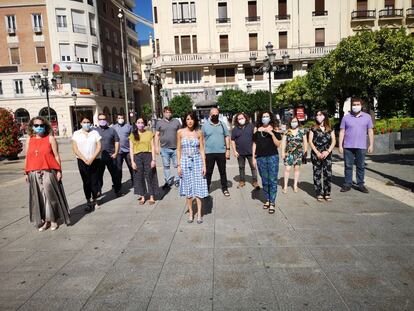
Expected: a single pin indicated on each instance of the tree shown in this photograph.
(259, 101)
(147, 111)
(293, 92)
(180, 105)
(10, 145)
(233, 101)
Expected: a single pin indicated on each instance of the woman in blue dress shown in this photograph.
(192, 165)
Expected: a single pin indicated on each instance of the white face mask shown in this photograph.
(242, 121)
(356, 109)
(320, 119)
(294, 125)
(121, 121)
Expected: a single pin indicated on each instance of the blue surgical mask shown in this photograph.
(86, 126)
(266, 120)
(39, 130)
(356, 109)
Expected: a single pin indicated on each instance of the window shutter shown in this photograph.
(224, 43)
(320, 36)
(252, 8)
(175, 11)
(319, 5)
(283, 40)
(362, 5)
(282, 8)
(220, 75)
(78, 18)
(222, 9)
(252, 41)
(194, 44)
(156, 15)
(14, 56)
(185, 10)
(390, 3)
(185, 45)
(41, 54)
(230, 75)
(157, 46)
(193, 10)
(177, 44)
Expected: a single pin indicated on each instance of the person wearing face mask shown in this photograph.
(109, 153)
(322, 142)
(86, 145)
(166, 144)
(294, 146)
(353, 144)
(142, 153)
(217, 145)
(47, 203)
(123, 130)
(266, 156)
(242, 143)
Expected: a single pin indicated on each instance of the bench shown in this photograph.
(407, 139)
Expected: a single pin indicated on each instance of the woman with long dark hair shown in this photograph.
(266, 156)
(192, 165)
(47, 200)
(322, 142)
(142, 153)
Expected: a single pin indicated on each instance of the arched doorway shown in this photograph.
(22, 117)
(53, 118)
(114, 113)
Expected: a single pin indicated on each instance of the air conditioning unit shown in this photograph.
(37, 29)
(11, 31)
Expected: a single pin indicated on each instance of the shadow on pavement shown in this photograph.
(217, 185)
(395, 180)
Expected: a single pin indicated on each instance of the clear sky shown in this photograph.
(143, 8)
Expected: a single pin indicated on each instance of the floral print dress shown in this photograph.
(294, 148)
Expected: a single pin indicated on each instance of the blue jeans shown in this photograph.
(357, 156)
(268, 169)
(167, 156)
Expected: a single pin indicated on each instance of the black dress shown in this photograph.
(322, 141)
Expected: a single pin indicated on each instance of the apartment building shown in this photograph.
(204, 46)
(79, 40)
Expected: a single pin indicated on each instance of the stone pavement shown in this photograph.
(354, 253)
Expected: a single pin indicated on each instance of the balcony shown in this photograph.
(79, 29)
(391, 13)
(282, 17)
(37, 30)
(223, 20)
(363, 15)
(319, 13)
(409, 13)
(184, 20)
(250, 19)
(11, 31)
(308, 53)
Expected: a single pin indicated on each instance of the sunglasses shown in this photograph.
(37, 125)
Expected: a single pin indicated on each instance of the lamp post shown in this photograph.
(154, 80)
(121, 20)
(75, 99)
(269, 66)
(42, 83)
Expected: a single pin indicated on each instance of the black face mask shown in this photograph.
(214, 118)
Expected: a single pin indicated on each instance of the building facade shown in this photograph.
(204, 46)
(79, 40)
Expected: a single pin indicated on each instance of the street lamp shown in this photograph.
(121, 20)
(42, 83)
(75, 99)
(269, 66)
(154, 80)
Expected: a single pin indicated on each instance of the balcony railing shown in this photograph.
(390, 13)
(37, 29)
(238, 57)
(253, 19)
(184, 20)
(79, 28)
(282, 17)
(363, 14)
(223, 20)
(410, 13)
(93, 31)
(319, 13)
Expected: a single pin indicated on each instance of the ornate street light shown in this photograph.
(121, 22)
(154, 80)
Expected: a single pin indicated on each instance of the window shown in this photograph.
(92, 24)
(177, 44)
(283, 40)
(155, 15)
(252, 41)
(107, 34)
(250, 76)
(185, 45)
(131, 25)
(61, 20)
(115, 38)
(90, 2)
(11, 22)
(282, 75)
(222, 12)
(78, 22)
(117, 66)
(157, 46)
(184, 12)
(110, 67)
(194, 39)
(224, 75)
(282, 8)
(18, 87)
(104, 6)
(14, 56)
(64, 52)
(188, 77)
(37, 22)
(320, 37)
(1, 88)
(362, 5)
(41, 54)
(389, 4)
(81, 53)
(224, 43)
(252, 11)
(319, 8)
(95, 56)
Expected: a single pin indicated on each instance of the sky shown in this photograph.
(143, 8)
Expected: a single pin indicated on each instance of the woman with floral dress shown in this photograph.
(192, 165)
(294, 146)
(322, 142)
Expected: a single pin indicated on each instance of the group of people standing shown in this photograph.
(193, 153)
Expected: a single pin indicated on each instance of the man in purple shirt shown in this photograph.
(353, 143)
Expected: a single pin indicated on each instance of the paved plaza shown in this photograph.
(355, 253)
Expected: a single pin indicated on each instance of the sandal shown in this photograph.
(141, 201)
(295, 189)
(319, 198)
(151, 202)
(328, 198)
(226, 193)
(272, 209)
(284, 190)
(266, 205)
(190, 219)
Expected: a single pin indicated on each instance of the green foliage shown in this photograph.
(293, 92)
(259, 101)
(9, 134)
(393, 125)
(232, 101)
(181, 104)
(147, 111)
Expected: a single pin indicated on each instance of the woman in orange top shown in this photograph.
(47, 201)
